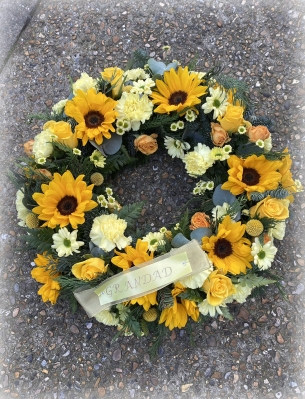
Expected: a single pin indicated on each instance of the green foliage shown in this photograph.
(144, 327)
(43, 116)
(191, 295)
(138, 60)
(184, 223)
(38, 239)
(130, 213)
(131, 322)
(160, 334)
(226, 313)
(118, 160)
(159, 120)
(253, 280)
(240, 90)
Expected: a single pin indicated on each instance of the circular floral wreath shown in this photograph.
(82, 234)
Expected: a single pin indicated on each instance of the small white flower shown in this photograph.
(196, 191)
(220, 211)
(22, 211)
(175, 148)
(59, 107)
(268, 144)
(136, 73)
(98, 159)
(190, 115)
(227, 149)
(260, 143)
(120, 131)
(242, 129)
(174, 127)
(263, 254)
(84, 83)
(154, 240)
(278, 231)
(65, 242)
(41, 160)
(111, 200)
(143, 86)
(109, 191)
(217, 102)
(299, 185)
(242, 293)
(210, 185)
(180, 124)
(76, 151)
(177, 226)
(163, 230)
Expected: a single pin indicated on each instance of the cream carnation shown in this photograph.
(208, 310)
(107, 232)
(84, 83)
(136, 73)
(242, 293)
(134, 108)
(22, 211)
(42, 147)
(198, 161)
(106, 317)
(197, 280)
(278, 231)
(59, 107)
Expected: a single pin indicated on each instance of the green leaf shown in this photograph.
(253, 280)
(39, 239)
(226, 313)
(165, 298)
(130, 213)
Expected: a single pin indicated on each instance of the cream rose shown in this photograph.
(232, 119)
(272, 208)
(219, 136)
(258, 133)
(146, 144)
(218, 287)
(89, 269)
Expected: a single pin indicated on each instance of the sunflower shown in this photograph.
(178, 91)
(229, 250)
(133, 256)
(254, 173)
(64, 200)
(146, 300)
(175, 316)
(94, 113)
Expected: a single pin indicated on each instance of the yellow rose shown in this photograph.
(218, 135)
(63, 131)
(89, 269)
(146, 144)
(232, 119)
(199, 219)
(218, 287)
(258, 133)
(272, 208)
(114, 76)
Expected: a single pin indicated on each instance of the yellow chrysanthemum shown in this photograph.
(254, 173)
(94, 113)
(229, 250)
(64, 200)
(146, 300)
(44, 274)
(178, 91)
(133, 256)
(175, 316)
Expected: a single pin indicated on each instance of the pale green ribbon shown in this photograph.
(144, 279)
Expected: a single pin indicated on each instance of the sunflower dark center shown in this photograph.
(179, 97)
(250, 177)
(67, 205)
(223, 248)
(94, 119)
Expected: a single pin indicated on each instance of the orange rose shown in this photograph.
(258, 133)
(219, 136)
(146, 144)
(199, 219)
(28, 147)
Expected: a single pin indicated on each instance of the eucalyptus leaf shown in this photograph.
(201, 232)
(112, 145)
(220, 196)
(158, 67)
(98, 147)
(179, 240)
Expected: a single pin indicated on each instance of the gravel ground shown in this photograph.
(48, 352)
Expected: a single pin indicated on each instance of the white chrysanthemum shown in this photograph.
(143, 86)
(260, 143)
(242, 293)
(197, 280)
(219, 154)
(176, 148)
(42, 147)
(65, 243)
(299, 185)
(263, 254)
(217, 102)
(98, 159)
(154, 240)
(106, 317)
(206, 309)
(136, 73)
(278, 231)
(220, 211)
(59, 107)
(198, 161)
(227, 149)
(22, 211)
(84, 83)
(41, 160)
(173, 127)
(134, 108)
(180, 125)
(107, 232)
(109, 191)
